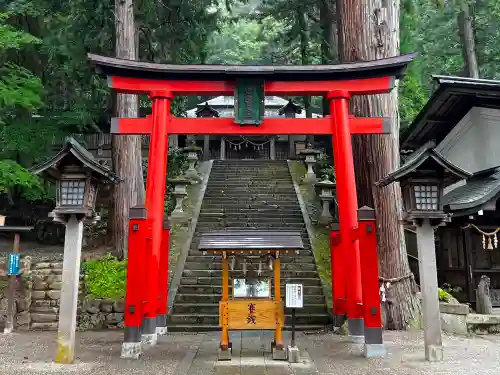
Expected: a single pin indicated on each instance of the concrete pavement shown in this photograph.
(195, 354)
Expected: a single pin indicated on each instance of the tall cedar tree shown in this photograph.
(126, 150)
(368, 30)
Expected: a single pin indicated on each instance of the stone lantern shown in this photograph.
(423, 178)
(326, 195)
(179, 193)
(290, 110)
(310, 157)
(192, 152)
(77, 175)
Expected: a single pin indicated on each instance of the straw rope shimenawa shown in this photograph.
(492, 236)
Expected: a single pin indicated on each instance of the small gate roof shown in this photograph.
(250, 240)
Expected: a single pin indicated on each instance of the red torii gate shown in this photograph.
(338, 83)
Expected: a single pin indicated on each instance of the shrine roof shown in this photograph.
(419, 157)
(111, 66)
(250, 240)
(452, 100)
(478, 190)
(75, 150)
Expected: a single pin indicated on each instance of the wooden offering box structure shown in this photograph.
(251, 313)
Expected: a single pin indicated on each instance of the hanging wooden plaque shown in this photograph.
(249, 102)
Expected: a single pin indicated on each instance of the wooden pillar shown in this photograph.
(291, 145)
(155, 201)
(69, 291)
(222, 149)
(132, 347)
(429, 288)
(224, 343)
(277, 298)
(11, 298)
(348, 209)
(206, 147)
(272, 148)
(467, 242)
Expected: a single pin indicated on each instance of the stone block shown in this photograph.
(38, 295)
(56, 285)
(24, 304)
(44, 303)
(453, 323)
(97, 321)
(119, 306)
(44, 326)
(293, 354)
(54, 294)
(107, 306)
(39, 283)
(44, 318)
(279, 354)
(456, 309)
(45, 310)
(114, 318)
(224, 355)
(23, 318)
(4, 302)
(40, 265)
(56, 265)
(92, 306)
(54, 278)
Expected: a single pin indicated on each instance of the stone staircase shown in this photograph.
(246, 194)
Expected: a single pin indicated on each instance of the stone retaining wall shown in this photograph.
(37, 300)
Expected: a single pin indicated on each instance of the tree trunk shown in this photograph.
(369, 30)
(126, 150)
(329, 47)
(304, 56)
(466, 33)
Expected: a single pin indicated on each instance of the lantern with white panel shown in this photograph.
(77, 176)
(423, 178)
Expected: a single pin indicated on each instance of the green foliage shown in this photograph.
(15, 177)
(443, 295)
(106, 277)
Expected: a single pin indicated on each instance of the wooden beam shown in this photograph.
(141, 86)
(270, 126)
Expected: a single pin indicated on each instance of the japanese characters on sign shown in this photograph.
(14, 264)
(251, 317)
(294, 296)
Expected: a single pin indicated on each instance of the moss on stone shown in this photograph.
(320, 240)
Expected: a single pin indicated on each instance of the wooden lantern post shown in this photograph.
(423, 178)
(77, 176)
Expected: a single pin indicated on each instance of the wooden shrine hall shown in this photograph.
(355, 293)
(462, 118)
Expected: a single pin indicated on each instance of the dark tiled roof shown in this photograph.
(250, 239)
(419, 157)
(479, 189)
(451, 101)
(72, 147)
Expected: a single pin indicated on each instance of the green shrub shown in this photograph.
(105, 277)
(444, 296)
(14, 177)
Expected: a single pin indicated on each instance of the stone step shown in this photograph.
(251, 207)
(285, 274)
(301, 258)
(218, 266)
(263, 222)
(215, 298)
(211, 328)
(314, 281)
(271, 215)
(217, 289)
(213, 319)
(211, 226)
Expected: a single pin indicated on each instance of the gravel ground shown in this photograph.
(195, 354)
